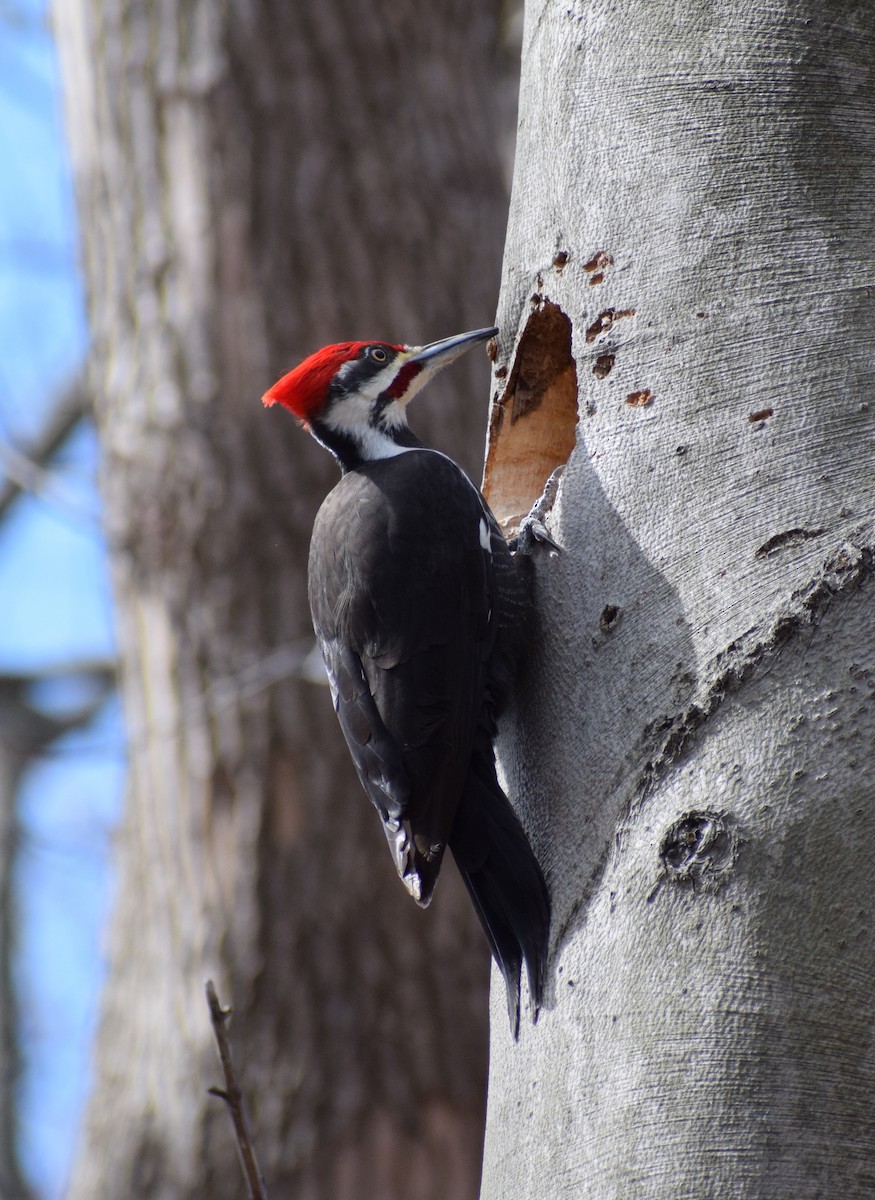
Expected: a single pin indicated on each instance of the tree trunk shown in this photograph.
(23, 734)
(254, 181)
(690, 251)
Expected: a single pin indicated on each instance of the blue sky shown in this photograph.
(54, 605)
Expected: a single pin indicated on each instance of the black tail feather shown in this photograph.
(504, 881)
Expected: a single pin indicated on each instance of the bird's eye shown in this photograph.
(378, 354)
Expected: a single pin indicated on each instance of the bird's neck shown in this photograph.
(369, 444)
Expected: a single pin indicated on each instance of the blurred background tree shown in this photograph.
(60, 739)
(252, 183)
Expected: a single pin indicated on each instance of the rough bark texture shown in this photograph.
(23, 733)
(693, 749)
(255, 180)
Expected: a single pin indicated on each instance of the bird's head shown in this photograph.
(353, 396)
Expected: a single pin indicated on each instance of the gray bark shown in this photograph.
(693, 747)
(23, 734)
(254, 181)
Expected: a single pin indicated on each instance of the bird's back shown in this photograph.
(402, 591)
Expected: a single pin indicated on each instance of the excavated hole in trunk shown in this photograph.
(533, 425)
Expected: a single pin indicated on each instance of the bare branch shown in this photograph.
(233, 1097)
(24, 469)
(29, 731)
(100, 668)
(16, 18)
(294, 660)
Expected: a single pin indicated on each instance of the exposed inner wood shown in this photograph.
(533, 425)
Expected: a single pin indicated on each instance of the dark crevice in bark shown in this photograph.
(850, 566)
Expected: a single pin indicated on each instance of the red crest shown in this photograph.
(305, 389)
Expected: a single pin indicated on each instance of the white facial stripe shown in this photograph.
(376, 444)
(351, 413)
(383, 380)
(351, 416)
(393, 415)
(378, 384)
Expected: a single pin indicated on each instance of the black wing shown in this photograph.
(401, 592)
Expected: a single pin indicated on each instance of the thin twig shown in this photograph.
(25, 728)
(233, 1097)
(294, 660)
(25, 470)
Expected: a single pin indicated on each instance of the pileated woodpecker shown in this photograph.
(420, 609)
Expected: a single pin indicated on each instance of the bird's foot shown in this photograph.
(532, 530)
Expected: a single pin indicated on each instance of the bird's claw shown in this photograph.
(532, 529)
(531, 532)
